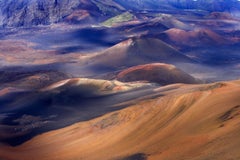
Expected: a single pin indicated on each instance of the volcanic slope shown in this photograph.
(196, 122)
(160, 73)
(26, 113)
(193, 38)
(136, 51)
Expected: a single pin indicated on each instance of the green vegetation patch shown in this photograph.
(124, 17)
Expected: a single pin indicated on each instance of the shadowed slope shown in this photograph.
(27, 113)
(137, 51)
(30, 79)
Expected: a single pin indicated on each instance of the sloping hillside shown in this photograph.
(187, 122)
(160, 73)
(137, 51)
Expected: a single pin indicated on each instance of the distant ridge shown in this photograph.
(26, 13)
(193, 38)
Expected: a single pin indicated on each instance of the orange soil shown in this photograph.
(190, 122)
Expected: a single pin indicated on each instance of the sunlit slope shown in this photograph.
(90, 87)
(196, 122)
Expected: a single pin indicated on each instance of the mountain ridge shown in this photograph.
(17, 13)
(33, 12)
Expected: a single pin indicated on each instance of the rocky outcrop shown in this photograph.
(15, 13)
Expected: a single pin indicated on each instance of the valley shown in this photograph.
(119, 80)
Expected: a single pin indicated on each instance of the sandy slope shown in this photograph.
(190, 122)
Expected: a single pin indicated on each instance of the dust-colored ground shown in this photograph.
(190, 122)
